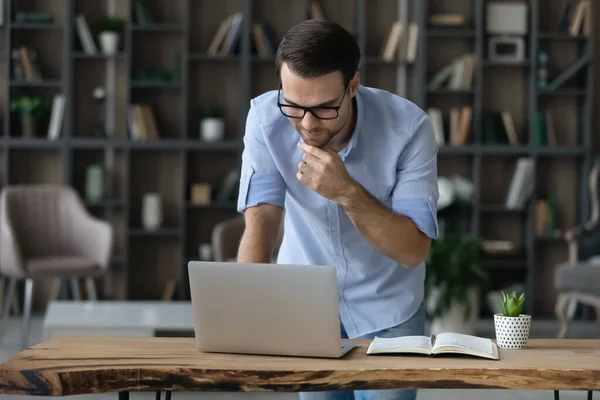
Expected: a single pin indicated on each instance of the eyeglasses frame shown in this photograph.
(310, 109)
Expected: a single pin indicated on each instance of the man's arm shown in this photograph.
(392, 234)
(403, 232)
(260, 234)
(261, 195)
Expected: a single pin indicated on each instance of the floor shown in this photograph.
(540, 329)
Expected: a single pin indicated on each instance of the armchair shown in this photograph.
(226, 236)
(46, 231)
(578, 279)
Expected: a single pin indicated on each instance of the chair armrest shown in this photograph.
(94, 239)
(11, 257)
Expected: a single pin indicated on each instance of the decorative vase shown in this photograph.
(212, 129)
(152, 211)
(28, 126)
(94, 183)
(109, 42)
(205, 252)
(458, 318)
(512, 332)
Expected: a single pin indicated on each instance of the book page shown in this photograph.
(465, 342)
(390, 345)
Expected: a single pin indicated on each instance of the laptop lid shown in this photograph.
(265, 308)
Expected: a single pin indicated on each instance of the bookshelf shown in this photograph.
(561, 168)
(176, 46)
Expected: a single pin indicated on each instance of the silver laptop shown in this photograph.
(268, 309)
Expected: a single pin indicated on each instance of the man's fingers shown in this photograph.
(304, 168)
(310, 159)
(315, 151)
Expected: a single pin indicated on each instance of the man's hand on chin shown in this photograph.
(324, 172)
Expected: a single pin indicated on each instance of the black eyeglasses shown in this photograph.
(325, 112)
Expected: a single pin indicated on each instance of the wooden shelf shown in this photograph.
(176, 48)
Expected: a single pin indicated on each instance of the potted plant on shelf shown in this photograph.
(212, 124)
(455, 281)
(512, 327)
(28, 109)
(110, 31)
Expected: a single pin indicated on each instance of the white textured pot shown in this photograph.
(512, 332)
(152, 211)
(212, 129)
(109, 42)
(455, 319)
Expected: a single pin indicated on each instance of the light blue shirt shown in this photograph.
(393, 154)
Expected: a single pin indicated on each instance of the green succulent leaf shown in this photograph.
(512, 305)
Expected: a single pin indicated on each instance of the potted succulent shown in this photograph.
(28, 109)
(512, 327)
(212, 124)
(455, 281)
(110, 31)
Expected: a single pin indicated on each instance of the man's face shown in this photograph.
(326, 90)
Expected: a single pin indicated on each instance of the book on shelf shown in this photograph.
(521, 185)
(499, 128)
(26, 66)
(459, 124)
(85, 36)
(576, 18)
(447, 19)
(226, 40)
(56, 117)
(264, 40)
(142, 123)
(443, 343)
(316, 10)
(400, 42)
(457, 75)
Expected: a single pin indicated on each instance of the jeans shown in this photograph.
(414, 326)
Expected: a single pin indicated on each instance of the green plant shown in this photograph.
(512, 305)
(112, 23)
(453, 269)
(210, 112)
(26, 105)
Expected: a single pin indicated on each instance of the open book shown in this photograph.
(447, 342)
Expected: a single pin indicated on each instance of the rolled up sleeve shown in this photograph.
(260, 180)
(415, 194)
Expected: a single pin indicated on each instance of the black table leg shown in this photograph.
(159, 394)
(556, 395)
(123, 395)
(590, 394)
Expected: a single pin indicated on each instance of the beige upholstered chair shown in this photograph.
(578, 279)
(46, 231)
(226, 238)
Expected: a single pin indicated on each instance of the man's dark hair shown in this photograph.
(314, 48)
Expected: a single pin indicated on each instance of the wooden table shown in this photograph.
(69, 366)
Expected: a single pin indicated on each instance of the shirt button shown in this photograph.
(429, 197)
(333, 228)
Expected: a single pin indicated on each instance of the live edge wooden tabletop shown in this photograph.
(67, 366)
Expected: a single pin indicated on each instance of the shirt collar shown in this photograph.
(359, 120)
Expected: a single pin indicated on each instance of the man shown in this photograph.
(355, 169)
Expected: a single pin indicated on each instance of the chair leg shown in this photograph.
(561, 310)
(91, 289)
(75, 288)
(8, 296)
(26, 312)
